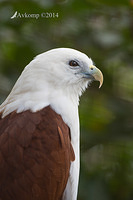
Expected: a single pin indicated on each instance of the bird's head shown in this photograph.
(65, 67)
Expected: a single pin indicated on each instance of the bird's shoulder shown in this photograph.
(30, 124)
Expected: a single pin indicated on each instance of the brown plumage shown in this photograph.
(35, 156)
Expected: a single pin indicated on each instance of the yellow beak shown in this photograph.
(97, 74)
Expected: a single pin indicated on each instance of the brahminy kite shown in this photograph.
(39, 127)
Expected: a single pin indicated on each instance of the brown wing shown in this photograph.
(35, 156)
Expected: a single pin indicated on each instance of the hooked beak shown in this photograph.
(94, 74)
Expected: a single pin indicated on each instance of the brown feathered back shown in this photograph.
(35, 156)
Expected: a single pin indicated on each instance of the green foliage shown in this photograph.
(104, 31)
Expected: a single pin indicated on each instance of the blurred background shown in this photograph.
(103, 29)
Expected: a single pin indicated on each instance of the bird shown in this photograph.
(39, 127)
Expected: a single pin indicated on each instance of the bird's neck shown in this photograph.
(37, 98)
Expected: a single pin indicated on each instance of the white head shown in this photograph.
(61, 70)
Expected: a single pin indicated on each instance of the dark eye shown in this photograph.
(73, 63)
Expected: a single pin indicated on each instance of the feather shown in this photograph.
(34, 161)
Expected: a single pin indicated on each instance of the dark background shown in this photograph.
(104, 31)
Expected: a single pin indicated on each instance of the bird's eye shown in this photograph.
(73, 63)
